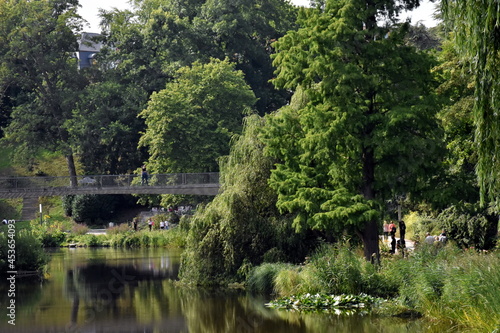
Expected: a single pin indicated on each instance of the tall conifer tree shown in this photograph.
(367, 130)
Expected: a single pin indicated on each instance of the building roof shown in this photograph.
(87, 44)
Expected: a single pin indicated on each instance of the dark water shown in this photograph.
(110, 290)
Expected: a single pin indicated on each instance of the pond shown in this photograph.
(117, 290)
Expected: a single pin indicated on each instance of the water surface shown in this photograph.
(117, 290)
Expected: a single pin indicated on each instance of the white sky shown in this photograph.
(89, 11)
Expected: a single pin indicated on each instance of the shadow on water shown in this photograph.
(110, 290)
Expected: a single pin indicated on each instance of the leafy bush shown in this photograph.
(117, 229)
(93, 207)
(67, 204)
(49, 234)
(470, 226)
(92, 240)
(79, 229)
(30, 255)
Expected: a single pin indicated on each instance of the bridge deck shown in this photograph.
(179, 183)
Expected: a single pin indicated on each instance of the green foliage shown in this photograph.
(49, 234)
(174, 237)
(340, 304)
(475, 34)
(418, 225)
(29, 252)
(41, 102)
(67, 204)
(92, 240)
(451, 286)
(470, 226)
(241, 224)
(164, 36)
(363, 129)
(92, 207)
(340, 270)
(10, 208)
(191, 121)
(457, 181)
(105, 128)
(89, 240)
(444, 284)
(79, 229)
(261, 278)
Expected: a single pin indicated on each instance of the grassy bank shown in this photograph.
(21, 250)
(441, 284)
(57, 234)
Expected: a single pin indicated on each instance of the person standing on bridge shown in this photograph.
(145, 176)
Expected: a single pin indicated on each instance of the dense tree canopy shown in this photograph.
(160, 36)
(191, 121)
(105, 128)
(37, 44)
(368, 131)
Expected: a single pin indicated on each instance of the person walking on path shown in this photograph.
(386, 230)
(402, 232)
(392, 231)
(144, 176)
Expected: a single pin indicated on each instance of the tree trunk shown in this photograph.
(71, 169)
(369, 233)
(369, 236)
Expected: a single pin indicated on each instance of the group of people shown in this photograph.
(429, 239)
(390, 229)
(164, 225)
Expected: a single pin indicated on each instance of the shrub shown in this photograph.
(67, 204)
(79, 229)
(93, 207)
(29, 252)
(118, 229)
(50, 235)
(470, 226)
(92, 240)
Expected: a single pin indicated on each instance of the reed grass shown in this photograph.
(458, 287)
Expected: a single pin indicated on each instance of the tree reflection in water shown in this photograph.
(110, 290)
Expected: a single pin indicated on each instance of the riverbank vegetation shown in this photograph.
(442, 283)
(21, 251)
(70, 234)
(333, 121)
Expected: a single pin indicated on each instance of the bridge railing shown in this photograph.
(12, 183)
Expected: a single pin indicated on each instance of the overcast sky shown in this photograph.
(89, 11)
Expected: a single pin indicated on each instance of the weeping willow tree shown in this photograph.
(476, 27)
(241, 227)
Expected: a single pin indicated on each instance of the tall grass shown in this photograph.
(29, 253)
(262, 278)
(444, 284)
(451, 285)
(174, 237)
(334, 270)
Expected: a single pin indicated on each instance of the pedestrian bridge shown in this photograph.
(173, 183)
